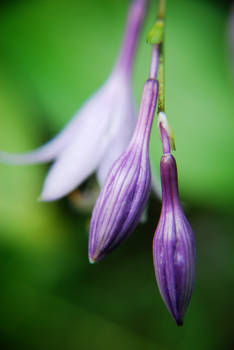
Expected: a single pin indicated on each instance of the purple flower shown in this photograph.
(173, 244)
(127, 186)
(99, 132)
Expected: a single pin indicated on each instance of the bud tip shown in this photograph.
(163, 123)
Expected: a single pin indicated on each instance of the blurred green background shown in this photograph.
(51, 52)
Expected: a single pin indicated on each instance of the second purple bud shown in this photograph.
(174, 250)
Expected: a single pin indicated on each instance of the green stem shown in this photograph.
(161, 80)
(161, 68)
(161, 9)
(156, 38)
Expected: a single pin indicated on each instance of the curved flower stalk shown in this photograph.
(99, 132)
(173, 244)
(127, 186)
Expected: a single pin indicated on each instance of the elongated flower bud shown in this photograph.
(173, 244)
(127, 186)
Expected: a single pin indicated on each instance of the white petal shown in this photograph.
(45, 153)
(53, 148)
(106, 125)
(84, 152)
(122, 127)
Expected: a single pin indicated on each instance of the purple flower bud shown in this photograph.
(127, 186)
(173, 245)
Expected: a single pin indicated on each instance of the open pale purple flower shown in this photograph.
(99, 132)
(173, 244)
(127, 186)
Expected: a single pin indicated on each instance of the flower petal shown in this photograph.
(53, 148)
(86, 149)
(121, 130)
(101, 138)
(74, 165)
(45, 153)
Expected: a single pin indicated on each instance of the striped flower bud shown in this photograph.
(127, 186)
(173, 244)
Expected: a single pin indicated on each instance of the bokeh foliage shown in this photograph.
(51, 54)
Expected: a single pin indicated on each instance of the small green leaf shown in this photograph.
(155, 35)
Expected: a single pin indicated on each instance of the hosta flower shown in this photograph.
(127, 186)
(99, 132)
(173, 244)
